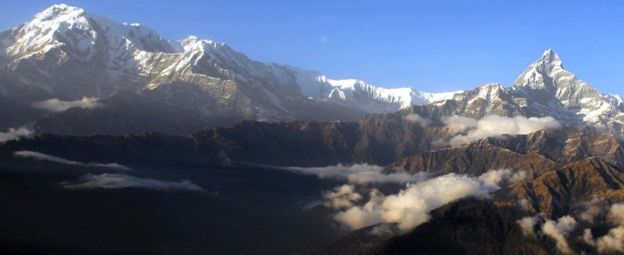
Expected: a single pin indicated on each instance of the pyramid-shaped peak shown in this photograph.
(541, 74)
(550, 57)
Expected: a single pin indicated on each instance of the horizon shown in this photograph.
(397, 60)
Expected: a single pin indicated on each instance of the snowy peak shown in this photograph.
(544, 74)
(550, 59)
(77, 32)
(193, 42)
(394, 98)
(58, 10)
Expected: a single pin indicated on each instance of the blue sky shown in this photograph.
(429, 45)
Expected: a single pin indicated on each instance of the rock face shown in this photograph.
(557, 192)
(68, 53)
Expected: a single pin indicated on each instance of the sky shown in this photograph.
(434, 46)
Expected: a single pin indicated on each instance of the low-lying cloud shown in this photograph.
(415, 118)
(57, 105)
(121, 181)
(410, 207)
(557, 230)
(16, 134)
(45, 157)
(613, 241)
(359, 174)
(527, 225)
(341, 197)
(468, 130)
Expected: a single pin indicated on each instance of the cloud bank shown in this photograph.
(57, 105)
(410, 207)
(468, 130)
(45, 157)
(15, 134)
(359, 174)
(121, 181)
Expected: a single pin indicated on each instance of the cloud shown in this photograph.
(616, 214)
(457, 124)
(415, 118)
(612, 241)
(493, 126)
(359, 174)
(16, 134)
(410, 207)
(324, 39)
(341, 197)
(57, 105)
(494, 177)
(588, 238)
(527, 225)
(45, 157)
(591, 209)
(559, 230)
(121, 181)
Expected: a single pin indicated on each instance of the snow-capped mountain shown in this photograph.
(68, 53)
(545, 88)
(179, 86)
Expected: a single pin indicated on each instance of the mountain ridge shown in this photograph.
(69, 53)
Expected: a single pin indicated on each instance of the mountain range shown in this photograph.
(544, 157)
(69, 54)
(130, 72)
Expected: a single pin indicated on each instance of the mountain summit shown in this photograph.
(542, 74)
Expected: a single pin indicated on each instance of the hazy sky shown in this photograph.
(429, 45)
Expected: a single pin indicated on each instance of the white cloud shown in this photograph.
(410, 207)
(120, 181)
(45, 157)
(494, 177)
(16, 134)
(527, 225)
(324, 39)
(591, 210)
(457, 124)
(341, 197)
(612, 242)
(415, 118)
(57, 105)
(559, 230)
(359, 174)
(588, 237)
(493, 126)
(616, 214)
